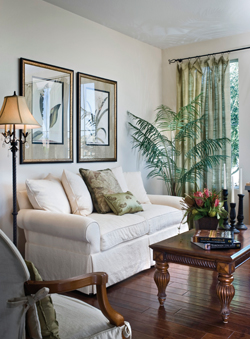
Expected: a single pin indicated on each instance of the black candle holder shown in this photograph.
(240, 217)
(226, 225)
(233, 217)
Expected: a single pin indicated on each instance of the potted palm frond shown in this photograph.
(160, 144)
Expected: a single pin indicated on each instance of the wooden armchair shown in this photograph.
(76, 319)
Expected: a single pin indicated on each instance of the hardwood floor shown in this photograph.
(191, 308)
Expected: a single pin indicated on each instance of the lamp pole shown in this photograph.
(13, 149)
(10, 138)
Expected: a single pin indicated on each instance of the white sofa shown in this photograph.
(64, 245)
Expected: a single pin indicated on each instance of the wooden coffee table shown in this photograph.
(180, 250)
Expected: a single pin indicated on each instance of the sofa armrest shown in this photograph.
(68, 226)
(168, 200)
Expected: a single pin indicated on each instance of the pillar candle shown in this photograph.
(232, 193)
(240, 181)
(225, 178)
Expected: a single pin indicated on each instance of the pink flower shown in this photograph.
(207, 193)
(199, 202)
(216, 203)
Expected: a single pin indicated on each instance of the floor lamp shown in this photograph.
(15, 115)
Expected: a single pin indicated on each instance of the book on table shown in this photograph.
(213, 236)
(217, 246)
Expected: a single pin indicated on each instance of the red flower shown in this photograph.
(217, 201)
(207, 193)
(199, 202)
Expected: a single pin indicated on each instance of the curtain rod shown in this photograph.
(172, 61)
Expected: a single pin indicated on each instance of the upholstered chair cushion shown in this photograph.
(85, 321)
(13, 303)
(77, 193)
(122, 203)
(100, 183)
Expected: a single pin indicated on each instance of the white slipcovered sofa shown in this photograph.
(68, 243)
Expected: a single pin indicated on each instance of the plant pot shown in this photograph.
(206, 223)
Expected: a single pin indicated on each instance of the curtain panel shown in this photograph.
(209, 76)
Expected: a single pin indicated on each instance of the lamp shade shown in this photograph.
(15, 111)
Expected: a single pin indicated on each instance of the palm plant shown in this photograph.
(162, 153)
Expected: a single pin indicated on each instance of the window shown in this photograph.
(234, 104)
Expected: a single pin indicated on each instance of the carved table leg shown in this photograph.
(225, 292)
(161, 278)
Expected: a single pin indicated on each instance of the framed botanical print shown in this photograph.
(48, 91)
(97, 122)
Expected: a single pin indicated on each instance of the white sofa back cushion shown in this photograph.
(77, 192)
(135, 186)
(48, 194)
(118, 173)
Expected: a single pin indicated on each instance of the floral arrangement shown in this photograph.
(203, 204)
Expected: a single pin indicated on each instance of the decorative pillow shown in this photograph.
(122, 203)
(45, 309)
(100, 183)
(118, 172)
(48, 194)
(135, 185)
(77, 192)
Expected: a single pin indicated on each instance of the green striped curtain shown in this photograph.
(211, 77)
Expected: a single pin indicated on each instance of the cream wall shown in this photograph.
(36, 30)
(223, 44)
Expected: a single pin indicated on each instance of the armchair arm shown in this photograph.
(168, 200)
(99, 279)
(69, 226)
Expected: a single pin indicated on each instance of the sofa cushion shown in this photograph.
(23, 200)
(122, 203)
(78, 193)
(159, 216)
(116, 229)
(135, 185)
(100, 183)
(48, 194)
(118, 172)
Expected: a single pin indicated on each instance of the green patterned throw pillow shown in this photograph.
(122, 203)
(45, 309)
(100, 183)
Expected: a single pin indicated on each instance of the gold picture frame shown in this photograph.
(96, 119)
(48, 91)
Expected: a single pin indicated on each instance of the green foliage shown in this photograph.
(234, 103)
(160, 144)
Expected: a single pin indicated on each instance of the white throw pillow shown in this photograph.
(135, 186)
(77, 192)
(118, 173)
(48, 194)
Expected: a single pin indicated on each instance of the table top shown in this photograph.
(181, 245)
